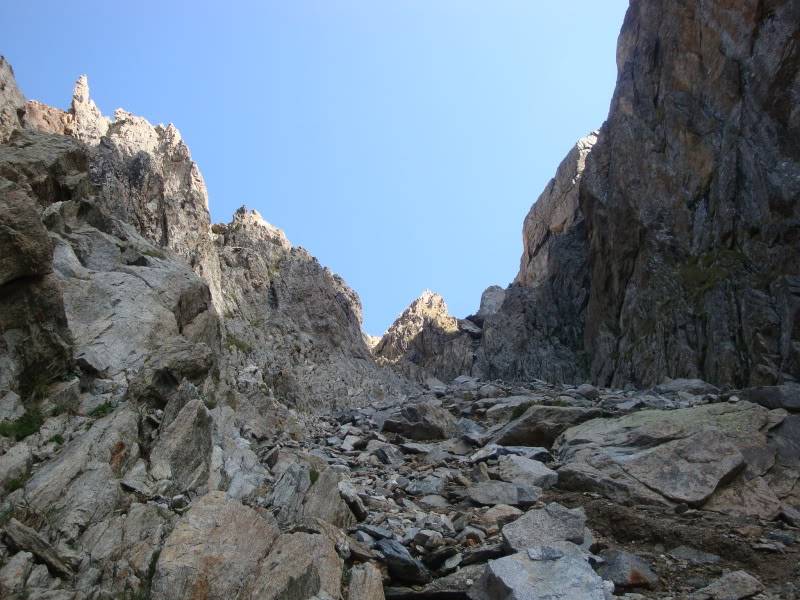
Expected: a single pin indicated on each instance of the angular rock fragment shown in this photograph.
(553, 523)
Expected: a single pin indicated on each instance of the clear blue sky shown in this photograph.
(402, 142)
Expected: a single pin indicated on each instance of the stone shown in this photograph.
(786, 396)
(664, 457)
(302, 565)
(402, 566)
(694, 556)
(182, 453)
(518, 469)
(626, 570)
(492, 493)
(25, 539)
(15, 573)
(323, 500)
(428, 485)
(731, 586)
(495, 517)
(366, 583)
(11, 407)
(214, 551)
(454, 585)
(553, 523)
(561, 575)
(15, 465)
(422, 422)
(352, 499)
(541, 425)
(588, 391)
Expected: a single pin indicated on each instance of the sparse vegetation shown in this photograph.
(57, 439)
(26, 425)
(17, 483)
(313, 474)
(520, 410)
(104, 409)
(239, 344)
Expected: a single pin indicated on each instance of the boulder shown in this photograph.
(403, 568)
(214, 552)
(492, 493)
(25, 539)
(540, 425)
(518, 469)
(626, 570)
(366, 583)
(300, 565)
(422, 421)
(324, 501)
(734, 585)
(665, 457)
(559, 571)
(182, 453)
(785, 396)
(542, 526)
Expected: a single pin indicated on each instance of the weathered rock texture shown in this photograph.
(427, 341)
(667, 243)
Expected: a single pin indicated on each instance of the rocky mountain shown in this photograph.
(666, 244)
(191, 410)
(426, 341)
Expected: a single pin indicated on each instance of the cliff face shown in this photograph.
(691, 198)
(667, 244)
(126, 209)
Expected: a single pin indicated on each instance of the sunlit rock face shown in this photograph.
(427, 340)
(11, 101)
(262, 305)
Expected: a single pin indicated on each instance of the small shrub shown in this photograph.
(57, 439)
(26, 425)
(104, 409)
(313, 474)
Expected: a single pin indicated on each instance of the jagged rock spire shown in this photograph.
(87, 124)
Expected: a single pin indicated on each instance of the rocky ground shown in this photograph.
(471, 490)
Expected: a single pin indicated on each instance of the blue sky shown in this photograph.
(402, 143)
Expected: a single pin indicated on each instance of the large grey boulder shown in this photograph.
(558, 571)
(542, 526)
(540, 425)
(214, 552)
(422, 421)
(519, 469)
(324, 501)
(300, 565)
(664, 457)
(366, 583)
